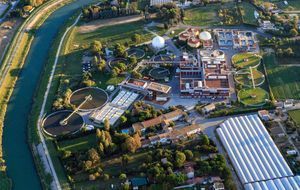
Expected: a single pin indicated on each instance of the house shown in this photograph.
(288, 103)
(208, 108)
(189, 171)
(162, 120)
(175, 134)
(264, 115)
(218, 186)
(138, 182)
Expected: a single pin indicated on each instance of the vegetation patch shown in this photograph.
(111, 35)
(77, 144)
(283, 80)
(295, 115)
(244, 77)
(246, 60)
(253, 96)
(202, 16)
(247, 12)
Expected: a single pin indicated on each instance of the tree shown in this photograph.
(66, 154)
(137, 139)
(205, 140)
(188, 154)
(122, 176)
(105, 177)
(93, 155)
(92, 177)
(123, 119)
(130, 145)
(132, 60)
(294, 32)
(106, 124)
(179, 158)
(101, 148)
(136, 75)
(124, 160)
(96, 47)
(87, 165)
(101, 65)
(120, 51)
(115, 72)
(136, 38)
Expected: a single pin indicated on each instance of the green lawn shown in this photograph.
(111, 35)
(245, 60)
(77, 144)
(295, 115)
(202, 16)
(253, 96)
(284, 80)
(247, 11)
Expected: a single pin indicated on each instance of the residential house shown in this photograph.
(162, 120)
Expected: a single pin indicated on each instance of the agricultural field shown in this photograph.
(202, 16)
(247, 11)
(283, 80)
(295, 115)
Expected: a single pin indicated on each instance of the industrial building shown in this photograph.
(115, 109)
(254, 155)
(204, 76)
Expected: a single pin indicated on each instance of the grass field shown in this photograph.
(253, 96)
(247, 11)
(77, 144)
(245, 60)
(202, 16)
(284, 80)
(295, 115)
(110, 35)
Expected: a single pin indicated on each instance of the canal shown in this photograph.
(20, 165)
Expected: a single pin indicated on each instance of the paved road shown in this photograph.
(208, 127)
(14, 4)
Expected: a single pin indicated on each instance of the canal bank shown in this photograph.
(20, 165)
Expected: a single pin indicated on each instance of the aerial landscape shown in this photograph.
(149, 94)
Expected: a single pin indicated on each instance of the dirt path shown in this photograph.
(94, 25)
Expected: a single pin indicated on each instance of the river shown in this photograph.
(20, 165)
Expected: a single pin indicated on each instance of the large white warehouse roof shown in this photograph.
(254, 154)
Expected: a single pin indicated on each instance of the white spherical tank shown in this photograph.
(205, 36)
(158, 42)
